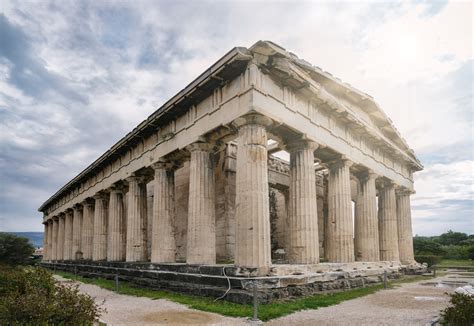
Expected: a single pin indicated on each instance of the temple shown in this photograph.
(263, 168)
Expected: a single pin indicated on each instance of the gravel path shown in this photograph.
(408, 304)
(130, 310)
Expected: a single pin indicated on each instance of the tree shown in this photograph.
(426, 246)
(452, 238)
(14, 250)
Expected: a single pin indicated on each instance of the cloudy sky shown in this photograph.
(75, 76)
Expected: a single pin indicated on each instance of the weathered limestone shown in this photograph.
(50, 239)
(77, 233)
(163, 248)
(116, 226)
(339, 229)
(136, 249)
(60, 243)
(87, 237)
(99, 249)
(68, 235)
(303, 217)
(45, 241)
(366, 238)
(201, 237)
(252, 243)
(388, 230)
(405, 234)
(54, 242)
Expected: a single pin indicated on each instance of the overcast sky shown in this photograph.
(76, 76)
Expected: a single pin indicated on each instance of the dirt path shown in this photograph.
(130, 310)
(409, 304)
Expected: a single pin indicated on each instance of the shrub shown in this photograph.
(456, 252)
(426, 246)
(32, 296)
(14, 250)
(428, 259)
(461, 311)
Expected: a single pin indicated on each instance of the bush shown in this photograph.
(32, 296)
(427, 246)
(429, 259)
(14, 250)
(461, 311)
(456, 252)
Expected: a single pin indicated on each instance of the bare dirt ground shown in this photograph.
(408, 304)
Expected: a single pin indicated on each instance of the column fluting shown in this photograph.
(388, 228)
(116, 226)
(252, 215)
(303, 217)
(54, 242)
(77, 233)
(60, 247)
(405, 233)
(163, 246)
(50, 239)
(136, 248)
(45, 241)
(201, 234)
(366, 227)
(87, 229)
(339, 229)
(67, 255)
(99, 242)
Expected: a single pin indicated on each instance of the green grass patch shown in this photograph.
(265, 311)
(456, 262)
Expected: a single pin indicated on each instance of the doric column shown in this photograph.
(87, 228)
(252, 216)
(136, 249)
(50, 239)
(68, 235)
(201, 236)
(405, 234)
(54, 242)
(77, 233)
(60, 244)
(45, 241)
(366, 227)
(99, 242)
(388, 230)
(116, 227)
(163, 244)
(339, 229)
(303, 217)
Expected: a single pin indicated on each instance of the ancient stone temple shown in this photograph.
(263, 168)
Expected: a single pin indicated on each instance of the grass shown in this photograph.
(456, 262)
(265, 311)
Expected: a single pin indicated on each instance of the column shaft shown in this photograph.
(252, 216)
(405, 234)
(54, 243)
(60, 245)
(87, 230)
(201, 236)
(77, 233)
(116, 228)
(99, 250)
(45, 241)
(388, 230)
(339, 229)
(163, 247)
(68, 235)
(303, 223)
(366, 224)
(136, 249)
(50, 240)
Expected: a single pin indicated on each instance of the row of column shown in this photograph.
(98, 231)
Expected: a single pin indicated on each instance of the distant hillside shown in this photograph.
(36, 238)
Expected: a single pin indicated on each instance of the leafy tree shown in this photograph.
(426, 246)
(460, 312)
(14, 250)
(452, 238)
(31, 296)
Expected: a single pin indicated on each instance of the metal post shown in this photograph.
(255, 302)
(116, 282)
(75, 272)
(384, 279)
(434, 270)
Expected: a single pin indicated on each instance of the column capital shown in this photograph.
(69, 211)
(400, 191)
(135, 178)
(300, 144)
(253, 118)
(163, 164)
(367, 175)
(88, 202)
(116, 188)
(55, 218)
(340, 162)
(100, 196)
(201, 146)
(387, 183)
(77, 207)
